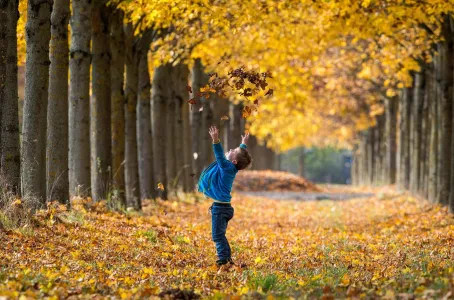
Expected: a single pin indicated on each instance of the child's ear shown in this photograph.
(234, 162)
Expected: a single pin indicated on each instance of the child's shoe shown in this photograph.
(221, 262)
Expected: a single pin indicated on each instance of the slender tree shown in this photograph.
(391, 142)
(35, 101)
(171, 129)
(160, 96)
(182, 142)
(57, 109)
(132, 82)
(444, 73)
(196, 119)
(10, 147)
(100, 143)
(3, 54)
(79, 97)
(144, 130)
(117, 69)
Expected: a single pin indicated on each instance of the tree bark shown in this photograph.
(3, 56)
(391, 142)
(418, 105)
(100, 144)
(196, 120)
(182, 142)
(117, 69)
(10, 147)
(57, 109)
(160, 96)
(35, 101)
(79, 88)
(445, 82)
(235, 125)
(370, 156)
(425, 141)
(144, 130)
(171, 125)
(433, 146)
(131, 160)
(187, 138)
(301, 166)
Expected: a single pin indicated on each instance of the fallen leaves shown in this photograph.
(380, 247)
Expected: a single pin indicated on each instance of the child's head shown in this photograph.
(239, 157)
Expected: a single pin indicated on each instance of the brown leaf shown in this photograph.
(246, 112)
(189, 88)
(224, 118)
(269, 92)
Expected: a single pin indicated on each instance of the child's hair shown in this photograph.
(243, 159)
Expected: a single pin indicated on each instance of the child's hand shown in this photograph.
(214, 132)
(245, 138)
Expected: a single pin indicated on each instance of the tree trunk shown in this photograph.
(35, 100)
(196, 120)
(404, 139)
(79, 88)
(10, 147)
(3, 57)
(160, 94)
(445, 82)
(57, 109)
(171, 124)
(182, 142)
(207, 121)
(418, 105)
(100, 144)
(131, 162)
(425, 141)
(235, 125)
(117, 69)
(144, 131)
(187, 138)
(391, 142)
(301, 166)
(433, 146)
(370, 156)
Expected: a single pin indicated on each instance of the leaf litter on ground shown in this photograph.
(388, 246)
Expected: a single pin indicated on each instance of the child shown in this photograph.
(216, 183)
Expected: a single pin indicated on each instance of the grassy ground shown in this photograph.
(386, 246)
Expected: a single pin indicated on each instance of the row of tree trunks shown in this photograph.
(424, 133)
(116, 143)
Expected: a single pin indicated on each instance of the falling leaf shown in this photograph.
(189, 88)
(201, 109)
(224, 118)
(269, 92)
(246, 112)
(191, 101)
(160, 186)
(192, 174)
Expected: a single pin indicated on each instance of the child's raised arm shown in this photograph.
(217, 148)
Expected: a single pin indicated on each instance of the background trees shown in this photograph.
(373, 76)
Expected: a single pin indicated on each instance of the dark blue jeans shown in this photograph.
(220, 216)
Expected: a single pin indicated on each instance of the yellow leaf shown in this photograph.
(160, 186)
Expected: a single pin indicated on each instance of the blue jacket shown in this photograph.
(217, 179)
